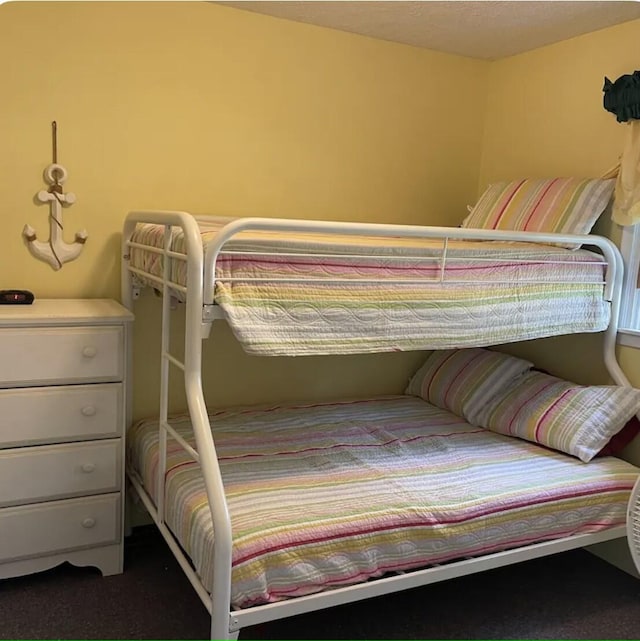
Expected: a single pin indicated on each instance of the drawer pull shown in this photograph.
(88, 410)
(87, 468)
(89, 351)
(88, 522)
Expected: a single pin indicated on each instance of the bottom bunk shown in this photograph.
(334, 494)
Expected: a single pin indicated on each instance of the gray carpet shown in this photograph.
(572, 595)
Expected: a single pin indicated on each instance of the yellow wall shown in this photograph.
(544, 107)
(210, 109)
(215, 110)
(545, 118)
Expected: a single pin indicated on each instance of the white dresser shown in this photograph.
(63, 408)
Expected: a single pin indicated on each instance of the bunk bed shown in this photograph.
(279, 510)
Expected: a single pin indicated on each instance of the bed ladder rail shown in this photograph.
(195, 331)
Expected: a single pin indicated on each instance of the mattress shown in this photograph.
(334, 494)
(297, 294)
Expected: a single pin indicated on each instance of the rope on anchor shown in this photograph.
(57, 222)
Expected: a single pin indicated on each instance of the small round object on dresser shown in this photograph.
(87, 468)
(88, 410)
(88, 522)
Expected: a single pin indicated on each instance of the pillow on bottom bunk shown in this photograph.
(462, 380)
(575, 419)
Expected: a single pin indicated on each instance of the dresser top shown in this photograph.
(94, 311)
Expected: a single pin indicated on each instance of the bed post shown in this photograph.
(195, 332)
(613, 292)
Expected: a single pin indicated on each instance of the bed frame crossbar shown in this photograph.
(200, 312)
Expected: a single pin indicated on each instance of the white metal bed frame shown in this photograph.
(201, 311)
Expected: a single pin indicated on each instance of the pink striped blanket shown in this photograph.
(303, 294)
(334, 494)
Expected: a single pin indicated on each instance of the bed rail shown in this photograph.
(201, 311)
(232, 229)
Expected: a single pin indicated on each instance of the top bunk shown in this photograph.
(297, 287)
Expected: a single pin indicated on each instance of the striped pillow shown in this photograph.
(571, 418)
(555, 205)
(462, 380)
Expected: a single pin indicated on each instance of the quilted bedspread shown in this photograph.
(333, 494)
(304, 294)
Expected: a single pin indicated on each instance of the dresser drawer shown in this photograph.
(32, 474)
(45, 528)
(57, 414)
(39, 356)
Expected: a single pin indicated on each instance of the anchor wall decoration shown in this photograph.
(56, 251)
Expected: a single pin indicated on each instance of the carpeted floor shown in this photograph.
(568, 596)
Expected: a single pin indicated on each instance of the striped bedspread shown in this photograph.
(489, 293)
(333, 494)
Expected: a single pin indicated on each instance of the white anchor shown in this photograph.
(55, 252)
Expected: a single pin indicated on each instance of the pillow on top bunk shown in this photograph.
(553, 205)
(461, 380)
(575, 419)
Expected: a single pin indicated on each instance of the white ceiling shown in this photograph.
(478, 29)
